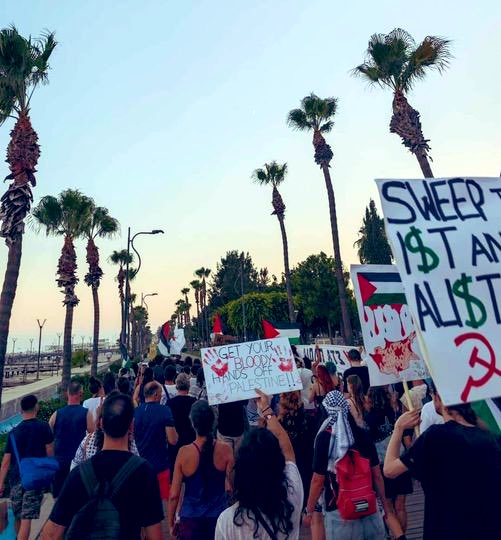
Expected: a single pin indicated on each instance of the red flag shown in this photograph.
(270, 331)
(164, 333)
(217, 325)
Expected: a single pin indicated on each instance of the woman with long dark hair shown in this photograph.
(267, 485)
(204, 466)
(356, 399)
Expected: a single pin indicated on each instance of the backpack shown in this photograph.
(99, 517)
(356, 497)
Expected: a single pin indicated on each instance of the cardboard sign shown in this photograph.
(392, 351)
(233, 372)
(446, 237)
(328, 353)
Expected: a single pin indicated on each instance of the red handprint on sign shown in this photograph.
(285, 363)
(211, 358)
(489, 365)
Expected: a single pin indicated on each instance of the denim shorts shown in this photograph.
(366, 528)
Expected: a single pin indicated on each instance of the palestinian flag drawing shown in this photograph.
(378, 289)
(287, 330)
(387, 327)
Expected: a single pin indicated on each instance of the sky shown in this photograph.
(160, 111)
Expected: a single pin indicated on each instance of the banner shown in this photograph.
(328, 353)
(233, 372)
(392, 351)
(446, 237)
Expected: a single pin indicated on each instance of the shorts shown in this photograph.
(369, 527)
(163, 479)
(25, 504)
(401, 485)
(60, 477)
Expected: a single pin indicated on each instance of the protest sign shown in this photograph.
(392, 351)
(446, 237)
(328, 353)
(233, 372)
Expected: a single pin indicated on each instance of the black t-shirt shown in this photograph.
(181, 407)
(362, 372)
(231, 418)
(31, 437)
(460, 470)
(138, 500)
(363, 444)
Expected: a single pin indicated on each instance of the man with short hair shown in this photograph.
(33, 438)
(356, 369)
(154, 433)
(69, 425)
(170, 374)
(459, 467)
(137, 500)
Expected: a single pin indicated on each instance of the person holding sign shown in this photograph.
(267, 485)
(459, 466)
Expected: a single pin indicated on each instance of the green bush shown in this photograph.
(80, 359)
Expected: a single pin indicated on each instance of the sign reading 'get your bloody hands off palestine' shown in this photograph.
(445, 234)
(233, 372)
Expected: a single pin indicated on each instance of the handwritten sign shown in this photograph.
(328, 353)
(233, 372)
(392, 351)
(446, 237)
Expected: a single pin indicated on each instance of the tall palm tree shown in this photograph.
(184, 292)
(195, 285)
(273, 174)
(99, 225)
(121, 258)
(203, 274)
(395, 61)
(316, 115)
(65, 216)
(24, 64)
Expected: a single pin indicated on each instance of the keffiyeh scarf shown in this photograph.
(337, 421)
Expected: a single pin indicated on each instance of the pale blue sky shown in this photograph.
(160, 110)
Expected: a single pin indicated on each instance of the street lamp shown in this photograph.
(31, 346)
(130, 244)
(13, 345)
(143, 296)
(40, 326)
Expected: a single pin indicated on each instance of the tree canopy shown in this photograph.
(372, 244)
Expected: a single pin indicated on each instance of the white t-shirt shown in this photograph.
(92, 404)
(429, 417)
(227, 530)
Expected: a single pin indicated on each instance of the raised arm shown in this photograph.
(263, 405)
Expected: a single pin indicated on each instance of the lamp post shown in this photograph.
(31, 346)
(130, 244)
(40, 326)
(13, 345)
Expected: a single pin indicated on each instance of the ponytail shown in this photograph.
(465, 410)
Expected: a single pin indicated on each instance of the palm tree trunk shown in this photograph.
(7, 299)
(424, 163)
(287, 271)
(67, 349)
(345, 316)
(95, 345)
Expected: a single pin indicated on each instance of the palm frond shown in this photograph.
(48, 214)
(327, 126)
(296, 119)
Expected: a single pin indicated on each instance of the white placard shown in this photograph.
(392, 351)
(328, 353)
(233, 372)
(445, 234)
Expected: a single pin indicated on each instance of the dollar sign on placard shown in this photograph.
(419, 247)
(460, 289)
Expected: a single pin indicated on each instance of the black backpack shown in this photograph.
(99, 518)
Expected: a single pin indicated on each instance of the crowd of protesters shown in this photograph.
(147, 457)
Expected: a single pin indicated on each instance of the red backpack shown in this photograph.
(356, 497)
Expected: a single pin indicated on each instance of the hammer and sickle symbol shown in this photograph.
(489, 365)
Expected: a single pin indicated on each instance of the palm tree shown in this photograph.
(195, 285)
(203, 274)
(99, 225)
(185, 292)
(121, 258)
(396, 62)
(273, 174)
(316, 114)
(24, 64)
(65, 216)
